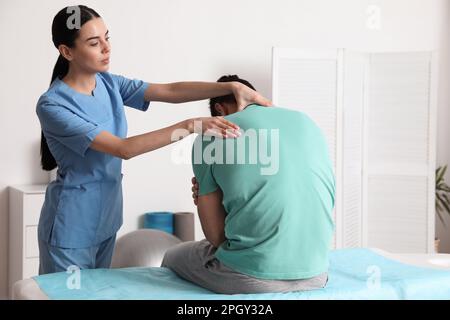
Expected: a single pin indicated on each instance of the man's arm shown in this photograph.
(212, 217)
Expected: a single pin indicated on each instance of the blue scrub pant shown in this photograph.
(55, 259)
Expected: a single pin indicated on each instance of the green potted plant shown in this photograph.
(442, 198)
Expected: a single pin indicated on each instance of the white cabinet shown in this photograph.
(377, 111)
(25, 203)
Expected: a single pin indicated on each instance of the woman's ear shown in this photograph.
(65, 52)
(220, 109)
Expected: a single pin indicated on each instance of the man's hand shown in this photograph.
(195, 190)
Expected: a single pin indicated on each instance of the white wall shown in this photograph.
(165, 41)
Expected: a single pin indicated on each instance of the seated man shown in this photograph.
(268, 227)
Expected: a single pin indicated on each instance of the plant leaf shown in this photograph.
(438, 198)
(440, 173)
(446, 206)
(438, 206)
(442, 202)
(441, 218)
(440, 183)
(447, 199)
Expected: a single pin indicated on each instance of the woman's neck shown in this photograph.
(80, 81)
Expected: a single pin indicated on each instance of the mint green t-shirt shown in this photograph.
(278, 191)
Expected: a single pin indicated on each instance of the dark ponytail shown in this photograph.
(63, 34)
(48, 162)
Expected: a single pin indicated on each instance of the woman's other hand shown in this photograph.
(214, 126)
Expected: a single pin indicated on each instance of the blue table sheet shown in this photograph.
(356, 273)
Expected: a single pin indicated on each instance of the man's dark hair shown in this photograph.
(228, 98)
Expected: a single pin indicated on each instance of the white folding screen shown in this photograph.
(399, 173)
(355, 65)
(377, 111)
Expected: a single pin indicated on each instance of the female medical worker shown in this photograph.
(84, 135)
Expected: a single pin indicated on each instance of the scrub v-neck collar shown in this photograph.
(94, 92)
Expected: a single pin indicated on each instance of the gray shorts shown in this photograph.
(195, 261)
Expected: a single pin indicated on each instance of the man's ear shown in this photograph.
(65, 52)
(220, 109)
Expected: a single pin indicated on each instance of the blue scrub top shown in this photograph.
(83, 206)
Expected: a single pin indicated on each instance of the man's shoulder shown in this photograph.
(256, 113)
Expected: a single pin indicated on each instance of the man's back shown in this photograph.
(278, 191)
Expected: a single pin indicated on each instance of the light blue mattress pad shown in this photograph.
(353, 274)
